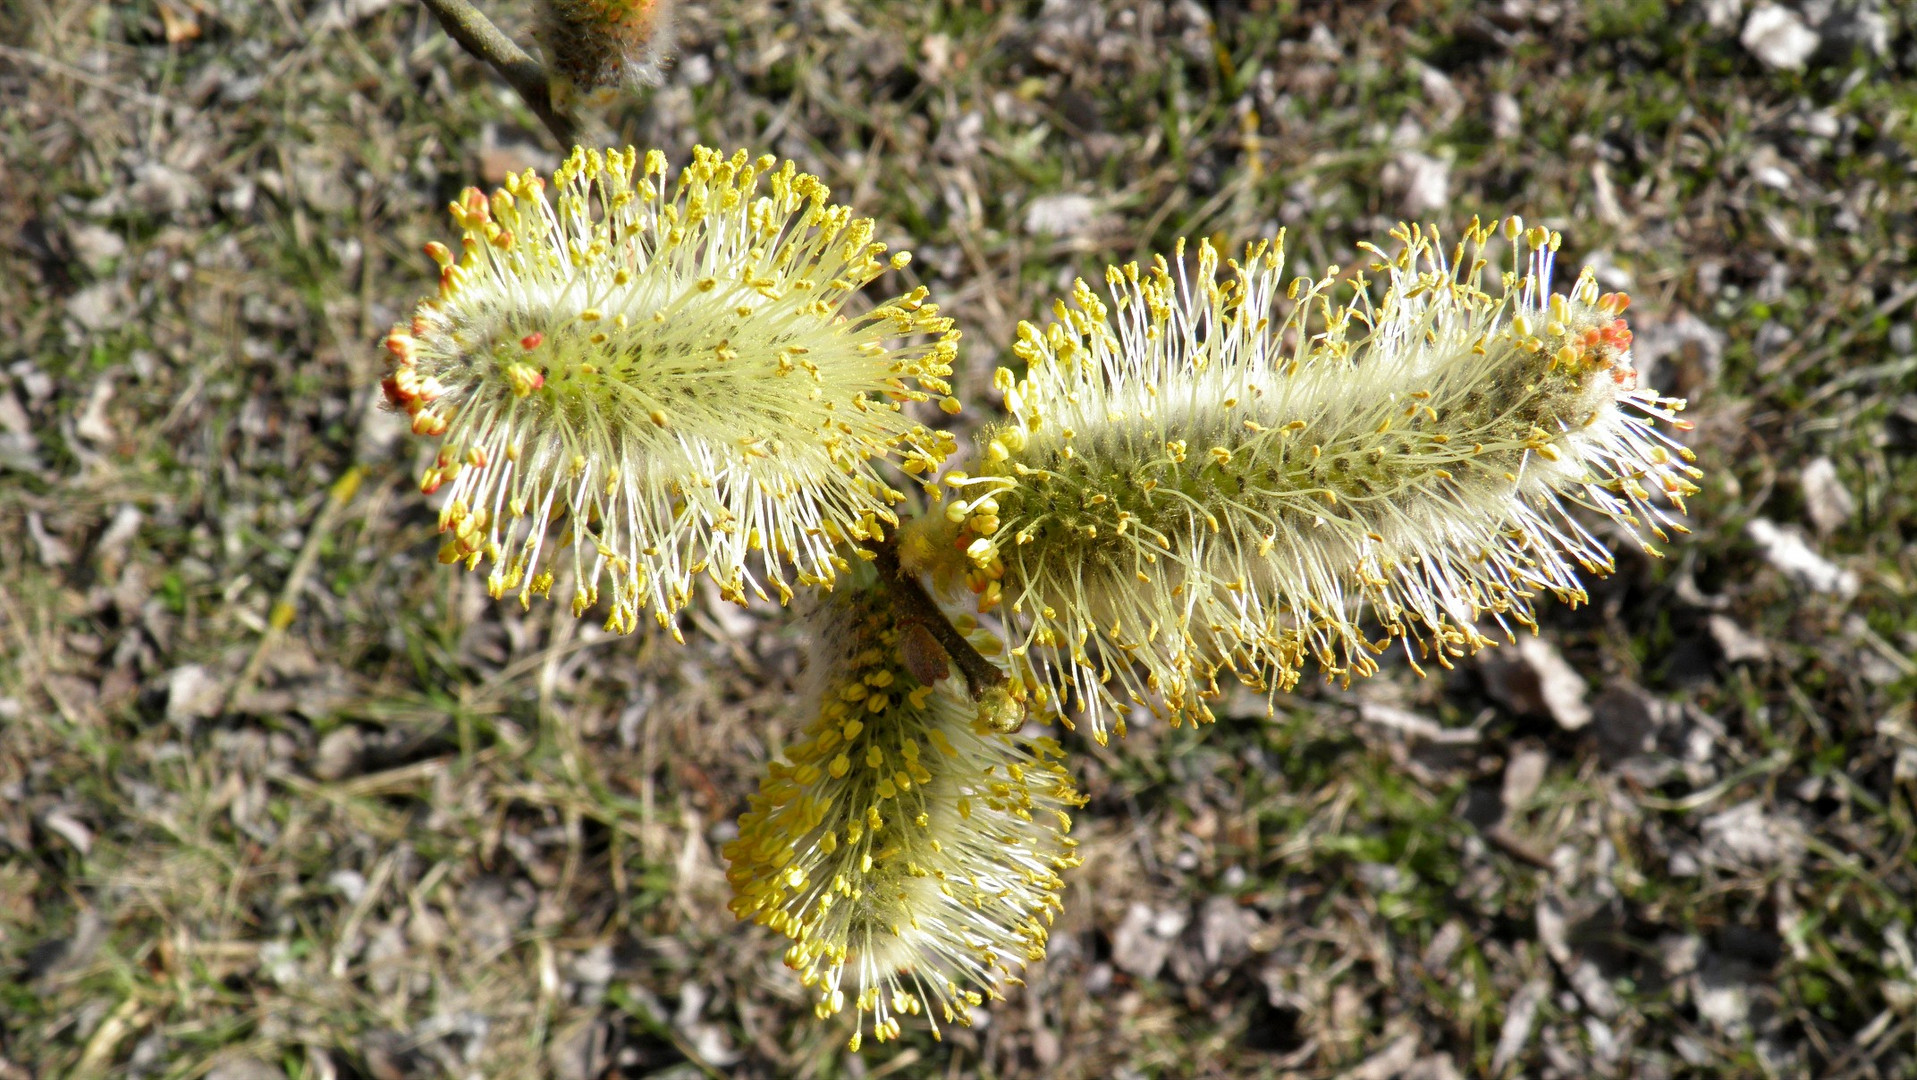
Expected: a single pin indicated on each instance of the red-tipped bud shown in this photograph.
(1617, 334)
(478, 212)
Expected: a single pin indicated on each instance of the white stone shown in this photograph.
(1786, 550)
(1778, 37)
(1058, 215)
(1828, 502)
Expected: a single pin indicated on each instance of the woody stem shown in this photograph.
(475, 33)
(915, 605)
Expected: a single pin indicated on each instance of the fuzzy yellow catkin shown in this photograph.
(1197, 481)
(668, 374)
(595, 48)
(911, 854)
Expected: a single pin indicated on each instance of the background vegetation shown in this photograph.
(281, 797)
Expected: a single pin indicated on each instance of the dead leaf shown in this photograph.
(178, 23)
(1786, 550)
(1143, 939)
(1827, 502)
(1533, 677)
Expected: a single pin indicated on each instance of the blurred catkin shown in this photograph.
(597, 47)
(1201, 481)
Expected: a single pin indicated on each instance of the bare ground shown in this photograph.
(279, 796)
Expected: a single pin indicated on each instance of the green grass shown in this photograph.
(438, 836)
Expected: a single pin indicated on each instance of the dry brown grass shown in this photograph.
(428, 835)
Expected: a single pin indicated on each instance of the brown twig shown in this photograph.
(477, 35)
(1511, 844)
(915, 605)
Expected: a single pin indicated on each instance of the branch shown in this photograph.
(915, 605)
(478, 36)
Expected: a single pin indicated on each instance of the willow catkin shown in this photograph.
(910, 853)
(595, 48)
(669, 375)
(1193, 484)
